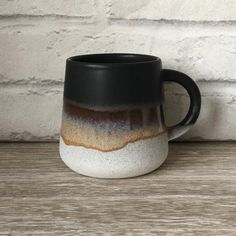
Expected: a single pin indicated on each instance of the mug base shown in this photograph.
(135, 159)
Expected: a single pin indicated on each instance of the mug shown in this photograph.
(113, 123)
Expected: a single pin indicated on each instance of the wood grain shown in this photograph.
(193, 193)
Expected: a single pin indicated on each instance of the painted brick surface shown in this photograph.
(83, 8)
(195, 37)
(182, 10)
(26, 115)
(40, 54)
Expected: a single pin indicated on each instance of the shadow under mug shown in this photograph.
(113, 124)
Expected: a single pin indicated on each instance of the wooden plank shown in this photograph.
(193, 193)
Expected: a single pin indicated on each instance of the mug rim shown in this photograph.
(112, 59)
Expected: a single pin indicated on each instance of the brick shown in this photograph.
(84, 8)
(202, 57)
(116, 39)
(122, 8)
(183, 10)
(22, 119)
(39, 51)
(29, 116)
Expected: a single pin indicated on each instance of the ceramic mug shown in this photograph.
(113, 124)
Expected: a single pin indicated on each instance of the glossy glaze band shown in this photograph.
(108, 131)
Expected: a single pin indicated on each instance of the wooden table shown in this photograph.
(193, 193)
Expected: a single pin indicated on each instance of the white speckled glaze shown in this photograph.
(137, 158)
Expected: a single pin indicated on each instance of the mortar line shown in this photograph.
(176, 22)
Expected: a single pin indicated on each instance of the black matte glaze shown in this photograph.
(108, 80)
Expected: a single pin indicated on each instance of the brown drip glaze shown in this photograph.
(107, 130)
(67, 142)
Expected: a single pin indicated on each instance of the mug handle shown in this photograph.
(195, 102)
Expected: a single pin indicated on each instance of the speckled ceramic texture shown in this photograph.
(137, 158)
(114, 143)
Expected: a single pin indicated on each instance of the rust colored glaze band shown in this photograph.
(67, 142)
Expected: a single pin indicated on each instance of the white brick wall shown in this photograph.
(182, 10)
(80, 8)
(194, 36)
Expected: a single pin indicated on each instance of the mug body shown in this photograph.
(112, 123)
(113, 144)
